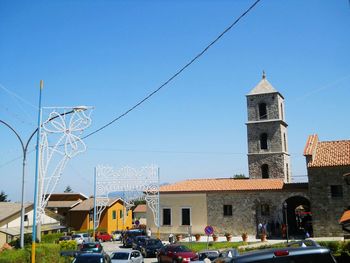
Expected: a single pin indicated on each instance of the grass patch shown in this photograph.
(198, 246)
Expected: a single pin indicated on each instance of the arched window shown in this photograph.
(263, 141)
(285, 142)
(281, 111)
(265, 171)
(262, 111)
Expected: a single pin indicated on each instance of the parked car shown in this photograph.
(91, 247)
(130, 234)
(210, 254)
(117, 235)
(81, 238)
(138, 242)
(151, 247)
(297, 252)
(64, 238)
(103, 237)
(176, 253)
(92, 258)
(126, 256)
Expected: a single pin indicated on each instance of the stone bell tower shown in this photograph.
(268, 155)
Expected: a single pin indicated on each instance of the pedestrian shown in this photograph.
(149, 232)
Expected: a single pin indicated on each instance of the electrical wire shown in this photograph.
(177, 73)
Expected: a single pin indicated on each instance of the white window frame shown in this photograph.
(171, 216)
(185, 207)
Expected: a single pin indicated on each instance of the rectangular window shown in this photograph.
(121, 213)
(265, 210)
(336, 191)
(114, 214)
(186, 216)
(166, 216)
(25, 217)
(227, 210)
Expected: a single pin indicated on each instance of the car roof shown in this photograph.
(270, 253)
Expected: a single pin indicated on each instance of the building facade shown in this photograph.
(268, 197)
(328, 165)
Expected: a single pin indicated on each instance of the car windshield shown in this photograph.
(120, 255)
(182, 249)
(85, 235)
(75, 236)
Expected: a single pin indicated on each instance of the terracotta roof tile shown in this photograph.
(140, 209)
(223, 184)
(331, 153)
(88, 204)
(345, 217)
(311, 144)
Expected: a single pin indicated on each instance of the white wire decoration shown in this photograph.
(131, 185)
(60, 140)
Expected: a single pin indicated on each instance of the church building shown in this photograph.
(268, 197)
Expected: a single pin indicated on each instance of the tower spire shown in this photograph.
(264, 75)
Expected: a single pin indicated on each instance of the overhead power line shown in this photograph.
(177, 73)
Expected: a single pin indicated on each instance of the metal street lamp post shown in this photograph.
(24, 147)
(285, 206)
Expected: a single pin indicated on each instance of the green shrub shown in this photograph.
(27, 241)
(50, 238)
(68, 245)
(15, 256)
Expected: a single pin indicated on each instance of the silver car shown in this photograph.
(81, 238)
(126, 256)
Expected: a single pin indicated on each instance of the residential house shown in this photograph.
(112, 218)
(61, 203)
(139, 213)
(10, 221)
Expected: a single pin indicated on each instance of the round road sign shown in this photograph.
(209, 230)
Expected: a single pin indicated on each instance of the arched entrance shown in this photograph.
(297, 215)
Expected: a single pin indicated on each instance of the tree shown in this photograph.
(68, 189)
(3, 197)
(239, 176)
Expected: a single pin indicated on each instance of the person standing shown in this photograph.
(149, 232)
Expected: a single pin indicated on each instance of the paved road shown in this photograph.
(110, 247)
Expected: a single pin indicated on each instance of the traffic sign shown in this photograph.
(209, 230)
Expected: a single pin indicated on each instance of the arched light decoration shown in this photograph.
(132, 184)
(60, 140)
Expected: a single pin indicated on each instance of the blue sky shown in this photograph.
(111, 54)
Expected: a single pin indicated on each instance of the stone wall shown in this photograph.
(247, 209)
(276, 163)
(272, 101)
(327, 210)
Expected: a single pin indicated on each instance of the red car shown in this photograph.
(103, 237)
(176, 253)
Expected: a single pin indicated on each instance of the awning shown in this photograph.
(15, 231)
(345, 217)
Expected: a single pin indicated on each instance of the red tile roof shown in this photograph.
(345, 217)
(311, 144)
(140, 209)
(331, 153)
(223, 184)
